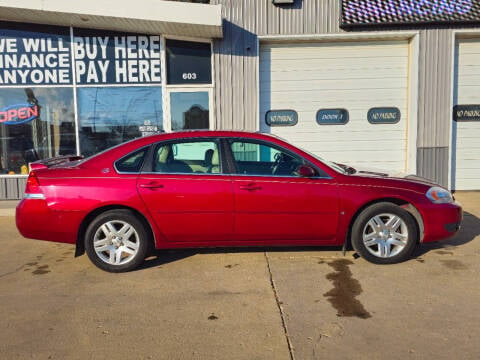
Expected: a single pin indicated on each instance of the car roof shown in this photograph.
(126, 147)
(143, 141)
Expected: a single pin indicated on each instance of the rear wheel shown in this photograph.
(384, 233)
(116, 241)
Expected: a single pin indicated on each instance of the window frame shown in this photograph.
(167, 117)
(144, 160)
(148, 166)
(191, 40)
(383, 122)
(332, 123)
(230, 158)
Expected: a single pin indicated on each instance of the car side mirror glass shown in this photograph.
(306, 171)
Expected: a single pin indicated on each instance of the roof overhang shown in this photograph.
(139, 16)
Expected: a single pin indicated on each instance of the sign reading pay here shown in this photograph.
(117, 59)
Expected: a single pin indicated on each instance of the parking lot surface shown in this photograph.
(242, 304)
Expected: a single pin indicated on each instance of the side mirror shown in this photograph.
(306, 171)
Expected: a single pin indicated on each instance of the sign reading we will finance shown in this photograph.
(30, 59)
(45, 57)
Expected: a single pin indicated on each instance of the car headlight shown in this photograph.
(439, 195)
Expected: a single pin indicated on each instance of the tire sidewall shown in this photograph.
(382, 208)
(120, 215)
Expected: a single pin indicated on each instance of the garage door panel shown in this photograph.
(340, 152)
(336, 50)
(341, 147)
(336, 84)
(470, 83)
(381, 73)
(466, 151)
(355, 64)
(352, 75)
(468, 142)
(357, 131)
(340, 95)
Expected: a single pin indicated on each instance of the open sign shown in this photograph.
(18, 114)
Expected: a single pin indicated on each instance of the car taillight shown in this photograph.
(32, 189)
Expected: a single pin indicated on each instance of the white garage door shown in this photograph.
(466, 151)
(355, 76)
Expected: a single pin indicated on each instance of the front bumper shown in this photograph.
(441, 221)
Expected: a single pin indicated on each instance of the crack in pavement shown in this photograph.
(280, 309)
(12, 272)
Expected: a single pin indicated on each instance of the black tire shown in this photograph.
(378, 239)
(117, 241)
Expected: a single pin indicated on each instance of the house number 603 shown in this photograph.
(189, 76)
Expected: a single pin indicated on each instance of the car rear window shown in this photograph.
(132, 163)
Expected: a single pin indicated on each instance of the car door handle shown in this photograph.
(250, 187)
(152, 185)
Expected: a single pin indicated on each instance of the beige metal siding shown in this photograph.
(435, 73)
(12, 188)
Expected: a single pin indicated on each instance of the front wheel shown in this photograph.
(116, 241)
(384, 233)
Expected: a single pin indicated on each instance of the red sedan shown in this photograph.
(224, 189)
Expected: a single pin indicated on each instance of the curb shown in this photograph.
(7, 207)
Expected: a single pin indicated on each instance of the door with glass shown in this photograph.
(187, 193)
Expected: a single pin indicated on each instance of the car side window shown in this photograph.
(253, 158)
(199, 157)
(132, 163)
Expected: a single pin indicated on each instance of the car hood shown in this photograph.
(376, 173)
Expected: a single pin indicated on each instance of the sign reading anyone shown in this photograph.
(35, 61)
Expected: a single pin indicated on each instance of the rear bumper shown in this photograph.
(442, 221)
(36, 220)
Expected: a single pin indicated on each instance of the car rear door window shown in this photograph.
(197, 157)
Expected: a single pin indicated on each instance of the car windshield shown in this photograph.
(332, 165)
(341, 169)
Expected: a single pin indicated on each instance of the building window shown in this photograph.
(281, 118)
(384, 115)
(189, 110)
(62, 94)
(35, 123)
(332, 117)
(111, 115)
(188, 62)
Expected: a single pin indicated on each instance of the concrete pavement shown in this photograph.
(242, 304)
(7, 207)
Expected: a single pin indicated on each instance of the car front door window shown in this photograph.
(260, 159)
